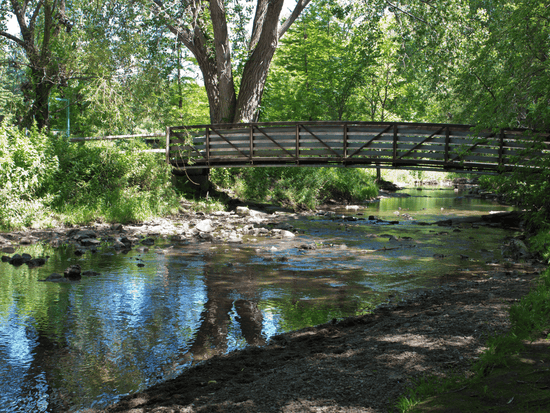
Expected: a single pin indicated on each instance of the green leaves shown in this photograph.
(297, 188)
(336, 64)
(27, 166)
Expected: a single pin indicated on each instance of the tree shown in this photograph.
(203, 29)
(322, 64)
(43, 24)
(479, 61)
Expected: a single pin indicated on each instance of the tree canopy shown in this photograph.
(124, 67)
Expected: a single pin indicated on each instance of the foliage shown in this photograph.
(478, 62)
(322, 63)
(28, 164)
(531, 315)
(525, 187)
(297, 188)
(111, 181)
(540, 242)
(44, 177)
(10, 94)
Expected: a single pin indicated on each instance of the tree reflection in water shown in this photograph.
(212, 335)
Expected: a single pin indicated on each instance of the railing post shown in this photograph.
(447, 144)
(501, 149)
(168, 145)
(395, 142)
(207, 145)
(345, 152)
(251, 143)
(297, 143)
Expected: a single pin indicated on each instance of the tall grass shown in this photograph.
(46, 180)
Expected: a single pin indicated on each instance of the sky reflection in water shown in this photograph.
(76, 345)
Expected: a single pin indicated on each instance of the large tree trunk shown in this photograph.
(41, 91)
(45, 71)
(257, 66)
(215, 62)
(227, 99)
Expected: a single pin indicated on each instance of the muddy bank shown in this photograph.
(198, 232)
(359, 364)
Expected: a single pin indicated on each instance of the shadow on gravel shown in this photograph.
(521, 386)
(359, 364)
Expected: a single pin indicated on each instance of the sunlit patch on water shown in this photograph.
(73, 345)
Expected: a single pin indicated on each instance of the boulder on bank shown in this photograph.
(516, 250)
(205, 225)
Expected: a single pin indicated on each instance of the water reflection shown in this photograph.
(68, 346)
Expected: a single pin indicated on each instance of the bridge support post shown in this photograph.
(197, 179)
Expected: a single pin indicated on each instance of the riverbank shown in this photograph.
(330, 346)
(359, 364)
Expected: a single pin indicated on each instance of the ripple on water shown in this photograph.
(133, 326)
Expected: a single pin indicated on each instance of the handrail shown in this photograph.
(425, 146)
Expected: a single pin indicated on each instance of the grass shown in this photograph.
(512, 375)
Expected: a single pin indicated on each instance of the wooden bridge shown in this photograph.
(441, 147)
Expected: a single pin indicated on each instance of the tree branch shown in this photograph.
(35, 14)
(487, 88)
(300, 6)
(259, 18)
(12, 38)
(407, 13)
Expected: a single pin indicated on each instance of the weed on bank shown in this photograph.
(511, 374)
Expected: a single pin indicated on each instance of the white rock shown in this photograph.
(254, 213)
(205, 225)
(244, 211)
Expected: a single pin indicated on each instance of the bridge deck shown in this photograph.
(352, 144)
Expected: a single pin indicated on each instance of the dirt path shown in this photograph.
(360, 364)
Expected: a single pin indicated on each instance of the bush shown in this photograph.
(297, 188)
(28, 164)
(43, 176)
(113, 181)
(528, 187)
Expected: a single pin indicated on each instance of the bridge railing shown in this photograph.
(155, 140)
(353, 144)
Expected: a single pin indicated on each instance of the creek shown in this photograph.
(150, 315)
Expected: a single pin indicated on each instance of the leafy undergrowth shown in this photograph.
(512, 375)
(522, 385)
(296, 188)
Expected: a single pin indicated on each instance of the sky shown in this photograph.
(13, 28)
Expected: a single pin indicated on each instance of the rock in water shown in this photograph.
(74, 272)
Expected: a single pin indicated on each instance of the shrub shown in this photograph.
(43, 175)
(297, 188)
(114, 181)
(28, 164)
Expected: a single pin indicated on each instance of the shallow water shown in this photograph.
(85, 344)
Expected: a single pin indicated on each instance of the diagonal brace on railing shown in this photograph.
(370, 141)
(457, 157)
(319, 139)
(421, 143)
(179, 135)
(229, 142)
(272, 140)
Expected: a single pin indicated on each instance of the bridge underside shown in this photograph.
(469, 169)
(424, 147)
